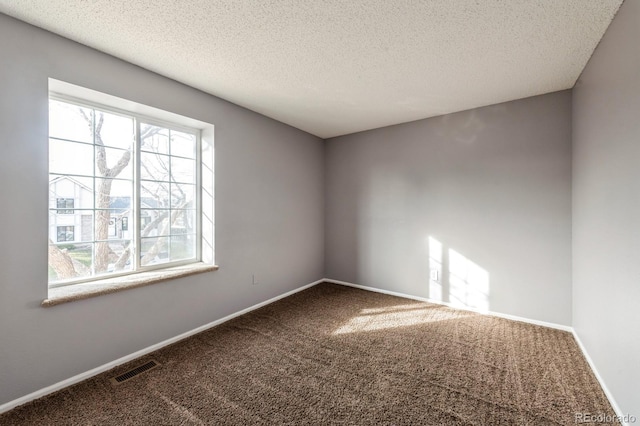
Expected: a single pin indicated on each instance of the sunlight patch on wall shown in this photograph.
(468, 283)
(455, 279)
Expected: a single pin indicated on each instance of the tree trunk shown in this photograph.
(61, 262)
(101, 261)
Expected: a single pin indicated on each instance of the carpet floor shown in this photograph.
(339, 355)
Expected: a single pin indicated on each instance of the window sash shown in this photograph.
(133, 224)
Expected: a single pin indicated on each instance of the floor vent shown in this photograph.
(134, 372)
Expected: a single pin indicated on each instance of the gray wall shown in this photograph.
(606, 207)
(269, 185)
(493, 184)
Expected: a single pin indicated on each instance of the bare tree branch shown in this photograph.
(120, 165)
(148, 131)
(122, 260)
(161, 242)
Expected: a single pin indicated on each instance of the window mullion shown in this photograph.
(171, 180)
(135, 252)
(95, 183)
(199, 196)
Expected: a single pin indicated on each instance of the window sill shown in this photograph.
(112, 285)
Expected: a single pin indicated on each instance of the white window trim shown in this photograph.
(77, 289)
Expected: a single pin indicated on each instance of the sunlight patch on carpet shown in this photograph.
(398, 316)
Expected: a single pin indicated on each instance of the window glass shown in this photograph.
(118, 223)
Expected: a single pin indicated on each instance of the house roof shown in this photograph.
(69, 178)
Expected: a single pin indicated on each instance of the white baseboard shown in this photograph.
(424, 299)
(604, 387)
(101, 369)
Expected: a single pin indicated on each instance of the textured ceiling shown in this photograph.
(333, 67)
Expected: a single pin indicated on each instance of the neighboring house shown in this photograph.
(71, 212)
(67, 223)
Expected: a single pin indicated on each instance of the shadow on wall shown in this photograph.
(466, 126)
(455, 279)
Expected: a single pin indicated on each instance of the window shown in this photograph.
(65, 205)
(65, 233)
(137, 191)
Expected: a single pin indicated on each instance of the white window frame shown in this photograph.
(59, 210)
(162, 119)
(65, 242)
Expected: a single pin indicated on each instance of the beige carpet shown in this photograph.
(338, 355)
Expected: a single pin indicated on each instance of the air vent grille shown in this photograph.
(134, 372)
